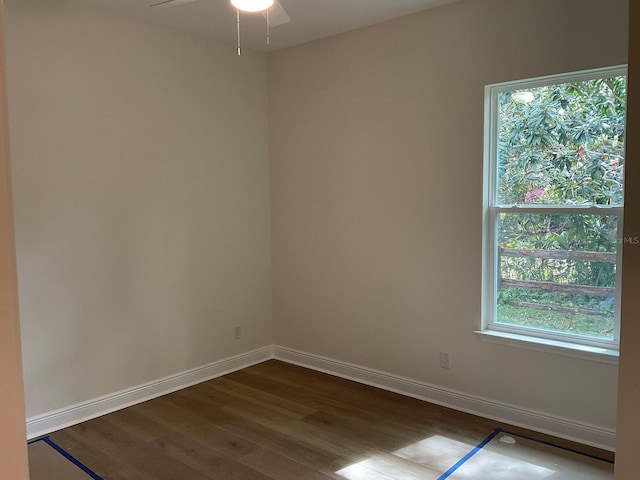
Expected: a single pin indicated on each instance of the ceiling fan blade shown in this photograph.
(171, 3)
(277, 15)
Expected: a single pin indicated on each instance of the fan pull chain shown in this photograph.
(268, 29)
(238, 24)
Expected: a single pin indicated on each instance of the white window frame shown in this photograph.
(605, 350)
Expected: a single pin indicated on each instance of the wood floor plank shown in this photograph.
(142, 457)
(109, 467)
(188, 422)
(43, 460)
(356, 430)
(277, 421)
(256, 395)
(364, 397)
(238, 423)
(397, 411)
(393, 468)
(314, 399)
(272, 370)
(136, 425)
(283, 468)
(321, 438)
(207, 460)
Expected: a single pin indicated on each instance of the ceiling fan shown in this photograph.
(272, 10)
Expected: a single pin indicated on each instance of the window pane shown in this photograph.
(557, 272)
(562, 144)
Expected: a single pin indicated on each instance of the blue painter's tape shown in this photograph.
(497, 431)
(464, 459)
(68, 456)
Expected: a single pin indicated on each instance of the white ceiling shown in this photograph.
(310, 19)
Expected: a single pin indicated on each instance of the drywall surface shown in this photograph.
(376, 145)
(141, 184)
(13, 445)
(627, 459)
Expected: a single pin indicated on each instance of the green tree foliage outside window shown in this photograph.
(560, 146)
(563, 144)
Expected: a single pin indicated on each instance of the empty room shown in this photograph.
(324, 239)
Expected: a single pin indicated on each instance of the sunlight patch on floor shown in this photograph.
(442, 453)
(502, 457)
(436, 452)
(426, 459)
(388, 467)
(507, 457)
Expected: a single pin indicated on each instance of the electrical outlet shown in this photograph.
(444, 360)
(237, 332)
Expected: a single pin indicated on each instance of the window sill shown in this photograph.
(596, 354)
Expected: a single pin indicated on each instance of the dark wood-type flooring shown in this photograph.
(278, 421)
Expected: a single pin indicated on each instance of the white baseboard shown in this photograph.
(42, 424)
(560, 427)
(587, 434)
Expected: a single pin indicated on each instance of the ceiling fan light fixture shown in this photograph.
(252, 5)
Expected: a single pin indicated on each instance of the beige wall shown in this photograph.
(143, 212)
(13, 445)
(141, 186)
(376, 165)
(627, 459)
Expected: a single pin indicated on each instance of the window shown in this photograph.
(554, 166)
